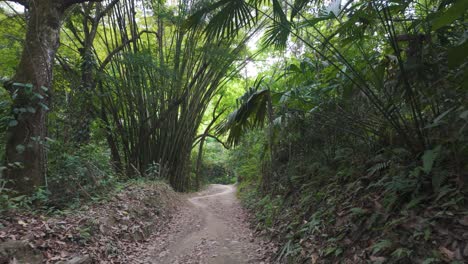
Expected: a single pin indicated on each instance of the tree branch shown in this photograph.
(68, 3)
(120, 48)
(213, 137)
(24, 3)
(107, 9)
(206, 133)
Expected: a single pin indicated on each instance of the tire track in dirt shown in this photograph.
(211, 229)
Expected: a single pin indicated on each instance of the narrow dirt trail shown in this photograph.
(212, 229)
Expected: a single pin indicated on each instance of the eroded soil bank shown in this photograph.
(105, 232)
(147, 223)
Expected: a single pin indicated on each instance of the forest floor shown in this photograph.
(142, 223)
(212, 228)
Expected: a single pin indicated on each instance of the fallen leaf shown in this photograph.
(314, 258)
(450, 255)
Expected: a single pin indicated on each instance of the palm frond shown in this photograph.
(226, 18)
(250, 114)
(297, 7)
(196, 19)
(277, 35)
(278, 32)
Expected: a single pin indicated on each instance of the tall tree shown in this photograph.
(81, 112)
(164, 87)
(30, 89)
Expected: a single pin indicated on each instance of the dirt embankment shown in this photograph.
(106, 232)
(144, 223)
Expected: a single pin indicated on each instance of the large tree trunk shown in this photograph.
(26, 139)
(30, 88)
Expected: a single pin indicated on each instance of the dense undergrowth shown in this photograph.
(360, 205)
(76, 177)
(362, 157)
(352, 143)
(327, 197)
(213, 167)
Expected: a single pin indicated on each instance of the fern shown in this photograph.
(378, 167)
(438, 179)
(381, 246)
(401, 253)
(289, 249)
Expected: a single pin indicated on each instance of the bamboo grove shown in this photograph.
(158, 91)
(146, 74)
(348, 137)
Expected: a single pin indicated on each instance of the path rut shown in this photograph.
(212, 229)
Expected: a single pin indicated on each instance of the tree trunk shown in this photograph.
(199, 163)
(83, 110)
(82, 98)
(111, 141)
(26, 137)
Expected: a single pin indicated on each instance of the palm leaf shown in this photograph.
(278, 32)
(250, 114)
(196, 18)
(277, 35)
(297, 7)
(226, 18)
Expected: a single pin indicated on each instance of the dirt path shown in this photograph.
(212, 229)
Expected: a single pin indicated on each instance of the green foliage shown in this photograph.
(214, 168)
(244, 160)
(366, 113)
(38, 201)
(270, 208)
(12, 30)
(429, 158)
(153, 171)
(5, 118)
(158, 98)
(253, 107)
(79, 175)
(381, 246)
(446, 16)
(369, 132)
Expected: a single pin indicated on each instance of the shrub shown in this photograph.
(77, 175)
